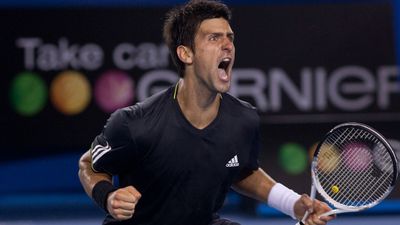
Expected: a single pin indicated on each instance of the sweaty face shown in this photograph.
(214, 54)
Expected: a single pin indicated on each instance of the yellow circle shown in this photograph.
(335, 189)
(70, 92)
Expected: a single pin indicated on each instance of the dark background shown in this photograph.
(39, 153)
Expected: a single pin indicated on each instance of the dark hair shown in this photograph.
(182, 23)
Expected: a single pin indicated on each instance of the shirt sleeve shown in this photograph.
(113, 150)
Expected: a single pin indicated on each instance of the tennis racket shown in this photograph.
(354, 168)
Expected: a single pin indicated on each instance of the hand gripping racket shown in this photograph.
(353, 168)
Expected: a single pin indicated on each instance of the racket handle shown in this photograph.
(301, 222)
(313, 192)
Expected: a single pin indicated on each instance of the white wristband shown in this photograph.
(283, 199)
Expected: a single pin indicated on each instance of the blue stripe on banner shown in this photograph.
(44, 200)
(43, 174)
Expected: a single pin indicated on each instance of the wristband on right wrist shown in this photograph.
(283, 199)
(100, 193)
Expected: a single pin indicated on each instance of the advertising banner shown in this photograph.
(305, 67)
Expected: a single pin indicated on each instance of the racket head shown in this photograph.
(354, 167)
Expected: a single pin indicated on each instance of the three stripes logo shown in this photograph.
(234, 162)
(98, 151)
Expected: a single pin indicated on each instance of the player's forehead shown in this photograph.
(215, 25)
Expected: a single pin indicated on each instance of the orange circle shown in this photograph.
(328, 158)
(70, 92)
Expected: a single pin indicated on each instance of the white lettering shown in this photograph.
(321, 101)
(302, 97)
(29, 45)
(254, 84)
(387, 84)
(354, 82)
(60, 56)
(145, 56)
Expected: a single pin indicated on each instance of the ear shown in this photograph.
(185, 54)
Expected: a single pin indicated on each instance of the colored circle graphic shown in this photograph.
(28, 94)
(328, 158)
(113, 90)
(357, 156)
(293, 158)
(70, 92)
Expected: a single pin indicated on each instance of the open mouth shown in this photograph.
(223, 69)
(224, 64)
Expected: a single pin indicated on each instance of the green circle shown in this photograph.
(28, 94)
(293, 158)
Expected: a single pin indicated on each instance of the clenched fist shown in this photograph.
(314, 208)
(121, 203)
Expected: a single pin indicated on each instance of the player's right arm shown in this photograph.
(120, 203)
(110, 153)
(87, 176)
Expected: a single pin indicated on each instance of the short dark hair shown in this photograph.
(181, 24)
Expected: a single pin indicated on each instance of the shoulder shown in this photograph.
(141, 109)
(121, 118)
(238, 103)
(239, 108)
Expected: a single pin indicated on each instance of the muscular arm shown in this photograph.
(257, 185)
(120, 203)
(87, 176)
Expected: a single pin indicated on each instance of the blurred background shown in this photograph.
(307, 65)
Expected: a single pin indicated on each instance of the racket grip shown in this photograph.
(304, 217)
(300, 223)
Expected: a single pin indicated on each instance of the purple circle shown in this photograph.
(114, 89)
(357, 156)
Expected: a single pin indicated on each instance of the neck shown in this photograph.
(199, 105)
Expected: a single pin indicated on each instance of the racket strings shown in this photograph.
(347, 195)
(357, 164)
(363, 197)
(330, 153)
(362, 178)
(332, 166)
(384, 182)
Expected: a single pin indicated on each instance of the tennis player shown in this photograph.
(177, 154)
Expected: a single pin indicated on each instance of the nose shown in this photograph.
(228, 44)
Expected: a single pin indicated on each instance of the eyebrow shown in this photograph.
(229, 34)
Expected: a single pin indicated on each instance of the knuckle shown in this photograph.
(118, 194)
(114, 204)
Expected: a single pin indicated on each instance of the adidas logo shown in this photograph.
(234, 162)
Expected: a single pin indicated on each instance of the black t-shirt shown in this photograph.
(182, 172)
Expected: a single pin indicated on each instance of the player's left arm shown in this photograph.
(260, 186)
(257, 185)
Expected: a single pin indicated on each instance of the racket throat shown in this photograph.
(339, 211)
